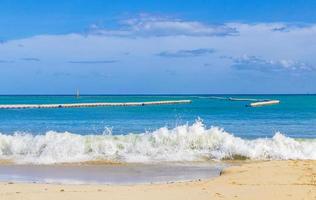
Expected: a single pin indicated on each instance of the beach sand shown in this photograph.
(256, 180)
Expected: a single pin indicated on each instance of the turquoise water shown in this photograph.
(295, 116)
(206, 129)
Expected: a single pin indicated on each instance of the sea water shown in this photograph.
(206, 129)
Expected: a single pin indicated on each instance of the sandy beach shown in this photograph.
(256, 180)
(157, 100)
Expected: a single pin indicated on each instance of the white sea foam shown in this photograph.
(183, 143)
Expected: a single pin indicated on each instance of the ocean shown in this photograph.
(207, 129)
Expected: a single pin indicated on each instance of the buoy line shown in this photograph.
(83, 105)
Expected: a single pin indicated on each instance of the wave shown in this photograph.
(183, 143)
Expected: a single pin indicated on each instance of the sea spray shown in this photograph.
(183, 143)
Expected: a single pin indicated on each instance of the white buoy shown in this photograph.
(264, 103)
(100, 104)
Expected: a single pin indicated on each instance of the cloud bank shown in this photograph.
(259, 64)
(92, 61)
(31, 59)
(166, 55)
(186, 53)
(146, 25)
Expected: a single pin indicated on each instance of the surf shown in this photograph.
(184, 143)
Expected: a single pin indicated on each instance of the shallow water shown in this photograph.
(110, 174)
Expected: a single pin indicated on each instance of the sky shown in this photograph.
(157, 47)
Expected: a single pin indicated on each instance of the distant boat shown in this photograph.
(78, 93)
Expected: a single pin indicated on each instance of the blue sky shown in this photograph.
(145, 47)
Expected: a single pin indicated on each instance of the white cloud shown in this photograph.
(147, 25)
(246, 62)
(186, 53)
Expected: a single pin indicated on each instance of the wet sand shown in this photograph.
(109, 173)
(259, 180)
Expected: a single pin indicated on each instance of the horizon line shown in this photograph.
(157, 94)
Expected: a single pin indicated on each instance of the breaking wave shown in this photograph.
(183, 143)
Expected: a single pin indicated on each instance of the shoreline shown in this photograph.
(109, 173)
(286, 179)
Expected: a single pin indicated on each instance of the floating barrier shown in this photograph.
(264, 103)
(240, 99)
(235, 99)
(84, 105)
(256, 102)
(220, 98)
